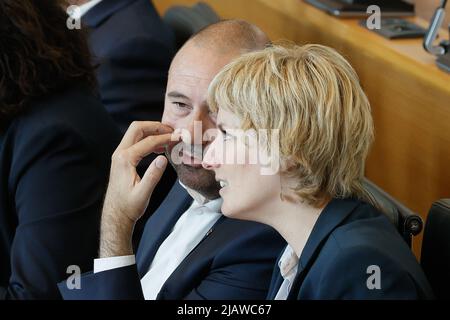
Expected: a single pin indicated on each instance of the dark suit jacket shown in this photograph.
(348, 237)
(233, 261)
(134, 49)
(54, 165)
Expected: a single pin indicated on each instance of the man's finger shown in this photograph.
(146, 146)
(152, 176)
(139, 130)
(176, 137)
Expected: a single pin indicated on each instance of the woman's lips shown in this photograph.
(222, 191)
(223, 185)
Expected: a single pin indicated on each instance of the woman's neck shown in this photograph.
(294, 221)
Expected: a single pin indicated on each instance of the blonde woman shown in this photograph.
(339, 245)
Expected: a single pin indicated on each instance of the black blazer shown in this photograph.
(134, 49)
(348, 238)
(233, 261)
(54, 165)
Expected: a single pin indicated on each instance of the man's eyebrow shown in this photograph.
(176, 94)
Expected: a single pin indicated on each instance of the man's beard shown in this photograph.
(199, 179)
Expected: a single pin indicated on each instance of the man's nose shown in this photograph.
(198, 125)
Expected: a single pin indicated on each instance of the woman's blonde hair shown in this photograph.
(313, 96)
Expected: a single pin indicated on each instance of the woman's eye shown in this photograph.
(225, 135)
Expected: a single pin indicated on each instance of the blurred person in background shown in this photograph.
(56, 142)
(133, 48)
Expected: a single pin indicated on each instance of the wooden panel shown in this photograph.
(426, 8)
(410, 96)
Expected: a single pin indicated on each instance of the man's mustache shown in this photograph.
(193, 150)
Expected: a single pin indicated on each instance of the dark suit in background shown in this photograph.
(133, 49)
(348, 237)
(233, 261)
(54, 166)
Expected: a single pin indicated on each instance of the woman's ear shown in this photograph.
(287, 164)
(288, 182)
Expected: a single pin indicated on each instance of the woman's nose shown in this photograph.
(209, 159)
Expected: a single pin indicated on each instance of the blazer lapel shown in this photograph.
(219, 221)
(160, 224)
(331, 217)
(102, 11)
(276, 281)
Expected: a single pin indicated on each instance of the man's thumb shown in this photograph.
(153, 175)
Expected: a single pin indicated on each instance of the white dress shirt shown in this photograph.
(288, 265)
(189, 230)
(81, 11)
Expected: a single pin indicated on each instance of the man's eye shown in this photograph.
(180, 105)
